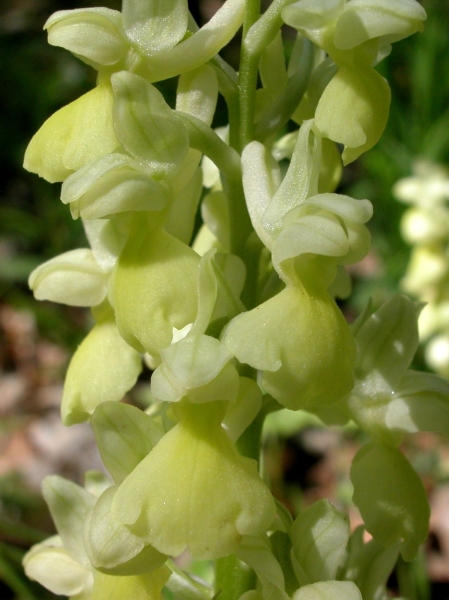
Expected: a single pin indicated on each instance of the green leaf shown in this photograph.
(197, 93)
(281, 546)
(242, 412)
(272, 67)
(257, 554)
(183, 210)
(369, 565)
(106, 237)
(388, 340)
(390, 497)
(421, 403)
(184, 586)
(319, 536)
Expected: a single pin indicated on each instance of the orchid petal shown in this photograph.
(69, 506)
(112, 548)
(146, 125)
(125, 435)
(74, 278)
(153, 26)
(55, 569)
(95, 35)
(363, 20)
(194, 490)
(199, 48)
(73, 136)
(302, 344)
(102, 369)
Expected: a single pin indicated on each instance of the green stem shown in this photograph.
(249, 64)
(263, 32)
(258, 33)
(248, 443)
(232, 577)
(241, 227)
(252, 252)
(228, 87)
(286, 103)
(204, 139)
(412, 578)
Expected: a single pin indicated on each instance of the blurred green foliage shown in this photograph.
(35, 80)
(24, 521)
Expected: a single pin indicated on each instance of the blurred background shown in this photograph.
(304, 462)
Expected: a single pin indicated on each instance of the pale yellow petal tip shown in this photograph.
(73, 136)
(359, 116)
(53, 567)
(349, 155)
(73, 415)
(73, 278)
(42, 155)
(102, 369)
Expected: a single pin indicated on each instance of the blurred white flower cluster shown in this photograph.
(425, 225)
